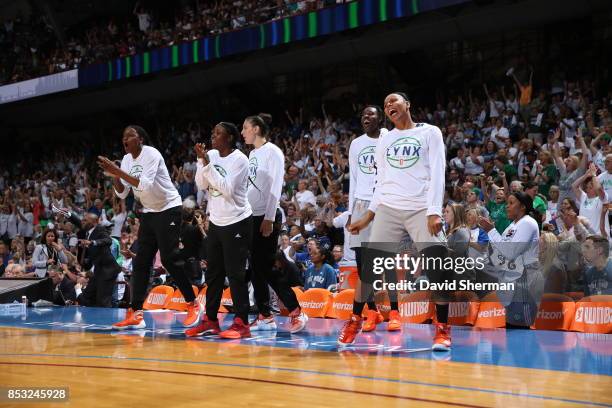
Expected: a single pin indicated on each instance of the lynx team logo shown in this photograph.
(253, 169)
(222, 172)
(135, 172)
(365, 159)
(404, 152)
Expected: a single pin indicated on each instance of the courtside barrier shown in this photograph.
(159, 297)
(177, 301)
(556, 312)
(341, 306)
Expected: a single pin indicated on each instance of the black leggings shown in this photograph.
(263, 253)
(161, 231)
(228, 249)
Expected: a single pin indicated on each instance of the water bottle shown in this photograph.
(24, 300)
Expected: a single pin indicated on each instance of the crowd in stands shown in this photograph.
(30, 47)
(550, 141)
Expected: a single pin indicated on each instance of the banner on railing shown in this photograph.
(63, 81)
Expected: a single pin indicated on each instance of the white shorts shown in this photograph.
(360, 208)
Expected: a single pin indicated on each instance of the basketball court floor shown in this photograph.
(158, 367)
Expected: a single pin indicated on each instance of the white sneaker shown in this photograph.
(263, 323)
(510, 71)
(298, 322)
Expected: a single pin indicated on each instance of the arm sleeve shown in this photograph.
(200, 180)
(352, 175)
(225, 185)
(340, 221)
(330, 276)
(150, 166)
(36, 258)
(62, 257)
(126, 186)
(380, 174)
(437, 168)
(277, 172)
(76, 221)
(521, 242)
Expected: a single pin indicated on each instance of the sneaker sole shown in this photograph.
(204, 333)
(440, 347)
(341, 344)
(233, 337)
(266, 328)
(140, 325)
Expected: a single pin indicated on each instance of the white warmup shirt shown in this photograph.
(362, 168)
(266, 176)
(410, 170)
(226, 179)
(516, 247)
(155, 190)
(591, 209)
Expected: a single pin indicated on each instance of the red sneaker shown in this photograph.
(350, 331)
(395, 322)
(442, 339)
(133, 320)
(206, 326)
(237, 330)
(195, 310)
(372, 319)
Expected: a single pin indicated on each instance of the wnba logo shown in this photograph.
(253, 169)
(222, 172)
(404, 153)
(365, 159)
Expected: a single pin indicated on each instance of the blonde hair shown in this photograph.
(550, 252)
(459, 219)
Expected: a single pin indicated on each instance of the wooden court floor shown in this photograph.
(161, 370)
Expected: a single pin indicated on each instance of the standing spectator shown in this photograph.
(570, 169)
(593, 201)
(48, 253)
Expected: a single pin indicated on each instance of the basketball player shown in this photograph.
(144, 171)
(266, 175)
(362, 170)
(408, 199)
(225, 172)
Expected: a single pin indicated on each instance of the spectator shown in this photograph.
(593, 201)
(48, 253)
(597, 277)
(320, 274)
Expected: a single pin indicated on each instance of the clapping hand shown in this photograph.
(202, 153)
(109, 168)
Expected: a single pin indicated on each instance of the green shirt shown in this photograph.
(540, 205)
(498, 215)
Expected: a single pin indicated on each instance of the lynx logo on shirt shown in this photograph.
(222, 172)
(365, 159)
(253, 169)
(404, 152)
(135, 172)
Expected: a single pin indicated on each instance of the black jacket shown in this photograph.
(98, 254)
